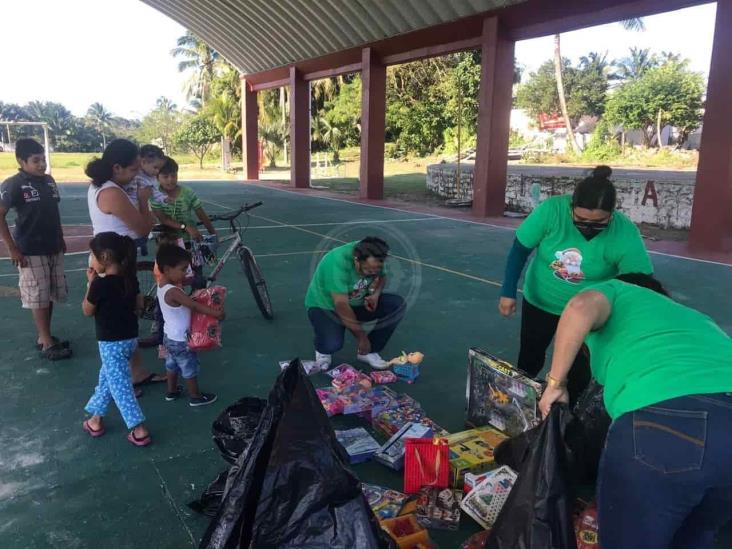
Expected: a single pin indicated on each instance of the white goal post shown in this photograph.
(43, 125)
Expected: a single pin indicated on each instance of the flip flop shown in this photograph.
(56, 352)
(151, 379)
(94, 433)
(138, 441)
(56, 341)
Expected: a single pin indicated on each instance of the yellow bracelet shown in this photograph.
(555, 383)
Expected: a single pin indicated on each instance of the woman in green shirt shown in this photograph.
(579, 240)
(665, 476)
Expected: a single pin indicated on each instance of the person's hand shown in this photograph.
(193, 231)
(364, 345)
(371, 302)
(91, 274)
(17, 257)
(550, 396)
(507, 306)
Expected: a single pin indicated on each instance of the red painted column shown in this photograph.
(299, 130)
(373, 121)
(711, 221)
(494, 116)
(250, 129)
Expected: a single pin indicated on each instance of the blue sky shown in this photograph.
(77, 52)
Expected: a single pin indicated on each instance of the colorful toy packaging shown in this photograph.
(500, 395)
(385, 503)
(330, 399)
(345, 375)
(381, 378)
(407, 532)
(391, 454)
(586, 529)
(358, 443)
(472, 452)
(472, 480)
(205, 331)
(407, 372)
(390, 421)
(439, 508)
(485, 500)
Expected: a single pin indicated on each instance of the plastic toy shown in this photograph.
(404, 358)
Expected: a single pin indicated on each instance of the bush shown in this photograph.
(602, 146)
(515, 139)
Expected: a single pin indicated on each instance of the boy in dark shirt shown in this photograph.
(37, 244)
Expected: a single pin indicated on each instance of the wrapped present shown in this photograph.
(472, 452)
(331, 401)
(406, 532)
(439, 508)
(205, 331)
(358, 443)
(485, 500)
(384, 502)
(381, 378)
(391, 454)
(500, 395)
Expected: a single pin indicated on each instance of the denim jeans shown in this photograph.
(666, 475)
(329, 330)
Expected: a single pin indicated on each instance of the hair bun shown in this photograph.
(602, 172)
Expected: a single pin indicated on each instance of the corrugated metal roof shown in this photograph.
(258, 35)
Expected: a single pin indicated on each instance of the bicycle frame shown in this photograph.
(237, 242)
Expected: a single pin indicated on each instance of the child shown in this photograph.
(37, 246)
(113, 298)
(176, 306)
(145, 185)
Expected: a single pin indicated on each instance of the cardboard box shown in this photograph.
(485, 501)
(472, 452)
(384, 502)
(439, 508)
(359, 444)
(391, 454)
(406, 532)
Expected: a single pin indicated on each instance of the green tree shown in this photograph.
(272, 134)
(667, 95)
(343, 116)
(636, 64)
(200, 58)
(160, 125)
(197, 135)
(59, 119)
(100, 118)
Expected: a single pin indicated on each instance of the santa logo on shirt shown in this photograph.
(568, 265)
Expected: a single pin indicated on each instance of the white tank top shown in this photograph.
(177, 319)
(103, 222)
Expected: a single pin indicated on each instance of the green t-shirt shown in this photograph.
(182, 209)
(653, 349)
(566, 262)
(337, 274)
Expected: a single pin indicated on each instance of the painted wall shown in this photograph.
(662, 198)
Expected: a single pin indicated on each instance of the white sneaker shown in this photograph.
(324, 361)
(374, 360)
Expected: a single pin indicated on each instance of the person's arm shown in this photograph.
(515, 264)
(89, 303)
(16, 256)
(203, 217)
(586, 312)
(371, 301)
(166, 220)
(348, 317)
(177, 297)
(113, 201)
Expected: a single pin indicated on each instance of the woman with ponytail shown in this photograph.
(579, 240)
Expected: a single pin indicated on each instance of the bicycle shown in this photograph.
(148, 284)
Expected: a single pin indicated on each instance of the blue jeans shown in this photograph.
(666, 475)
(180, 359)
(329, 330)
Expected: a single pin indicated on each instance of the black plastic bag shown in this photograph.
(210, 500)
(234, 429)
(538, 511)
(292, 487)
(587, 433)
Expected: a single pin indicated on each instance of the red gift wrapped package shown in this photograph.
(205, 332)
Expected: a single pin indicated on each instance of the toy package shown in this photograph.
(381, 378)
(484, 502)
(381, 398)
(407, 373)
(499, 395)
(345, 375)
(407, 532)
(330, 399)
(391, 453)
(586, 528)
(385, 503)
(205, 331)
(439, 508)
(472, 451)
(390, 421)
(471, 480)
(358, 443)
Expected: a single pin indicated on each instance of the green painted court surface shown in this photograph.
(59, 488)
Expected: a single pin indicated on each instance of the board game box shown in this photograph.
(439, 508)
(485, 500)
(498, 394)
(472, 452)
(358, 443)
(391, 454)
(390, 421)
(384, 502)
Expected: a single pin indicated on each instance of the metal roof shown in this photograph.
(258, 35)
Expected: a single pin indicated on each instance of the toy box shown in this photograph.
(472, 452)
(439, 508)
(390, 421)
(391, 454)
(355, 400)
(358, 443)
(381, 378)
(385, 503)
(407, 372)
(331, 401)
(406, 532)
(497, 394)
(346, 375)
(485, 501)
(471, 480)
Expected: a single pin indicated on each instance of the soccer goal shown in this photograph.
(44, 126)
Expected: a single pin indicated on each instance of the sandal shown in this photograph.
(94, 433)
(138, 441)
(152, 378)
(56, 352)
(56, 341)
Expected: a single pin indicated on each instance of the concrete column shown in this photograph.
(494, 116)
(250, 129)
(299, 130)
(711, 222)
(373, 120)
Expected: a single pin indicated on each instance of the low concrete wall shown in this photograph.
(662, 198)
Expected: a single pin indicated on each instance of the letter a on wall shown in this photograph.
(650, 192)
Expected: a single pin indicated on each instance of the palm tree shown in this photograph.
(636, 64)
(333, 136)
(272, 135)
(635, 24)
(202, 59)
(59, 119)
(100, 118)
(165, 105)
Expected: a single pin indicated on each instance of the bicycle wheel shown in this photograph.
(256, 282)
(148, 323)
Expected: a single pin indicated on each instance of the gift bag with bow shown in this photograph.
(426, 463)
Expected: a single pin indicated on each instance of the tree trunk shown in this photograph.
(560, 91)
(200, 161)
(658, 129)
(283, 105)
(104, 141)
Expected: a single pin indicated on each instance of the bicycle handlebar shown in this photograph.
(237, 213)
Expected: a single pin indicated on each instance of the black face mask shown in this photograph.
(589, 229)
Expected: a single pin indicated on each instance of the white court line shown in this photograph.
(436, 216)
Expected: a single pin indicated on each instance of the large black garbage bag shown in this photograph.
(586, 434)
(538, 511)
(292, 487)
(234, 429)
(210, 500)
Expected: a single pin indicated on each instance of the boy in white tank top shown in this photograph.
(176, 307)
